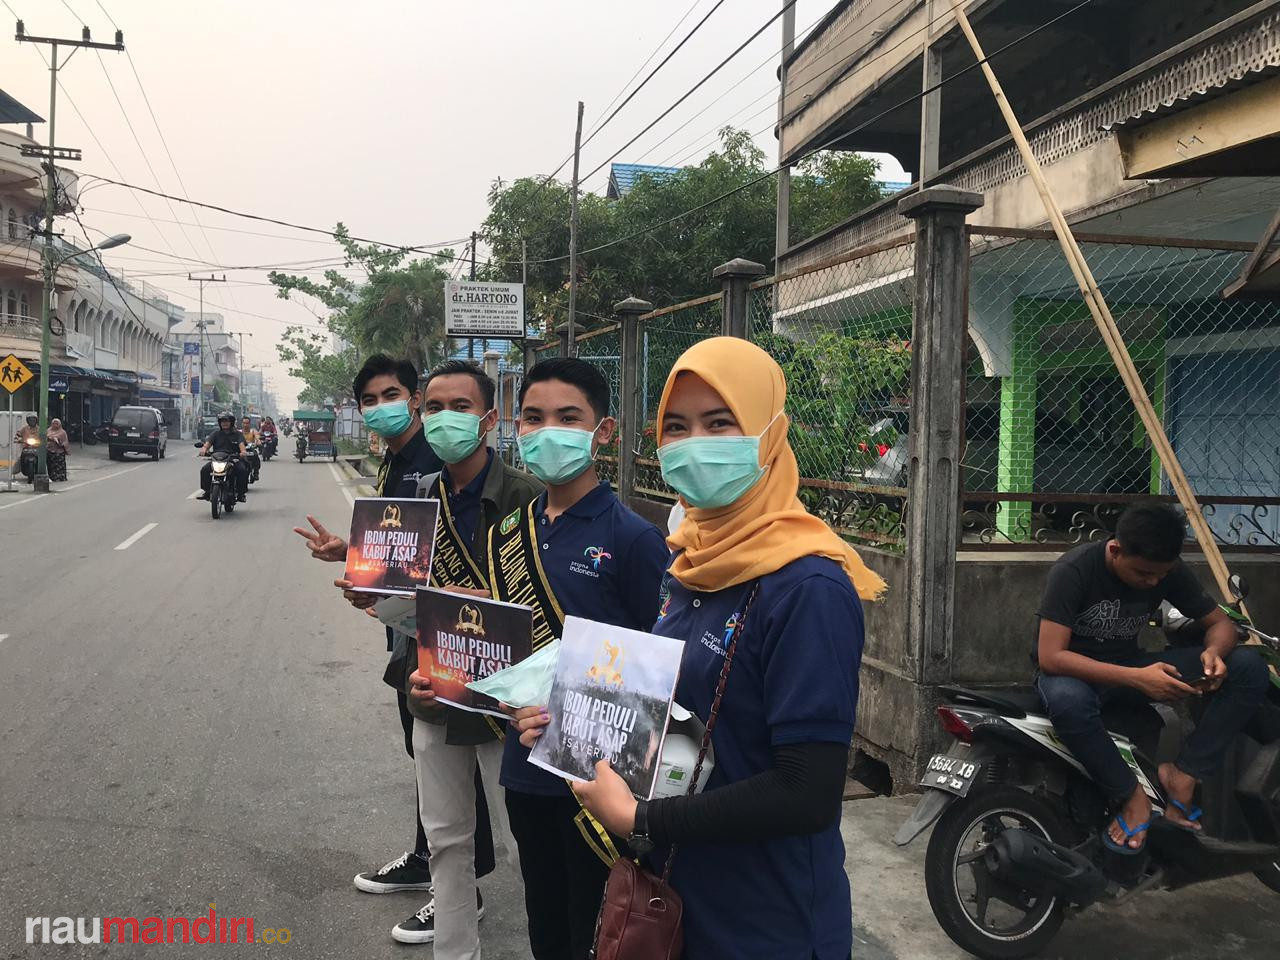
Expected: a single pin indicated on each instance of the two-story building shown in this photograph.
(108, 336)
(1157, 124)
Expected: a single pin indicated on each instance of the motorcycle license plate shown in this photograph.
(952, 774)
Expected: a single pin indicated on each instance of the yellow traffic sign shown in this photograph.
(13, 373)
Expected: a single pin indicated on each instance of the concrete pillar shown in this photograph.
(531, 347)
(491, 360)
(735, 277)
(629, 312)
(938, 339)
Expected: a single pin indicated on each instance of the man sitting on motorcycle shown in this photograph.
(1097, 599)
(226, 439)
(251, 436)
(29, 432)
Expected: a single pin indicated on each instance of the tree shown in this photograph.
(327, 375)
(397, 307)
(704, 215)
(829, 187)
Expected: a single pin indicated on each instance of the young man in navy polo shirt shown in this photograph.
(575, 551)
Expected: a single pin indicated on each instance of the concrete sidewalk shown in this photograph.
(86, 464)
(1238, 917)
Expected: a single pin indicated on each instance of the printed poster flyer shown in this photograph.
(391, 545)
(462, 638)
(610, 700)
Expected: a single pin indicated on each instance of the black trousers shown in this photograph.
(485, 861)
(563, 877)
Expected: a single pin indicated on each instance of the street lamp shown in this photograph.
(51, 265)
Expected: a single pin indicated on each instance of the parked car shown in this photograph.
(137, 430)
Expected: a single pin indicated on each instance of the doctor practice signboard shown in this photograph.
(473, 308)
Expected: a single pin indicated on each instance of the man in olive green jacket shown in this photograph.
(476, 490)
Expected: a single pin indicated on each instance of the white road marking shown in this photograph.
(346, 491)
(193, 494)
(136, 537)
(30, 498)
(3, 637)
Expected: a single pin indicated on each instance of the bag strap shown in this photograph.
(715, 711)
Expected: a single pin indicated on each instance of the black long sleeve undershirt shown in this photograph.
(799, 794)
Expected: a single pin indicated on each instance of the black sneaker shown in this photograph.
(421, 927)
(240, 498)
(406, 872)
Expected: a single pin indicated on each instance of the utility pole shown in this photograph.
(570, 346)
(524, 289)
(200, 325)
(471, 341)
(782, 230)
(50, 154)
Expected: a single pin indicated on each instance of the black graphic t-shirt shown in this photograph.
(1104, 613)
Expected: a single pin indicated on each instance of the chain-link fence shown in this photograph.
(1054, 448)
(664, 335)
(841, 332)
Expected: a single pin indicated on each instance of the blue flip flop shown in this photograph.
(1129, 833)
(1194, 814)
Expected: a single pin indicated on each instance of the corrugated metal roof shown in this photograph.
(11, 111)
(622, 176)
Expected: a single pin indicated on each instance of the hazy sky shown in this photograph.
(393, 116)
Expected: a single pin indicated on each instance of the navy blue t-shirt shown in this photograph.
(605, 563)
(464, 504)
(794, 680)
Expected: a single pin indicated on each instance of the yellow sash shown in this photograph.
(516, 576)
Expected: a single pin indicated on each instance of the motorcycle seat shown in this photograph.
(1010, 701)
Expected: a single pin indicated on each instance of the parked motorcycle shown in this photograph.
(1017, 842)
(29, 459)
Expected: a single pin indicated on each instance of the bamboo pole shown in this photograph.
(1105, 321)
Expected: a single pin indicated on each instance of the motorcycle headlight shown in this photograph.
(220, 467)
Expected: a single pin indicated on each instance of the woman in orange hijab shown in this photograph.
(760, 864)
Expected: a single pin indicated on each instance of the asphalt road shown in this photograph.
(198, 718)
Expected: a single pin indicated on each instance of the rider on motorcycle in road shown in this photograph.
(226, 439)
(1097, 599)
(251, 437)
(28, 437)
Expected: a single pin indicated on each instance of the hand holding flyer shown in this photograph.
(392, 544)
(610, 700)
(463, 638)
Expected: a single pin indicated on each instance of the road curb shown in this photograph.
(350, 472)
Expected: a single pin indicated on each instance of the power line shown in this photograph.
(834, 140)
(647, 61)
(737, 83)
(665, 60)
(416, 248)
(685, 153)
(690, 92)
(249, 233)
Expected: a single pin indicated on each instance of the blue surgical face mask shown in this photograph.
(453, 434)
(388, 419)
(557, 455)
(712, 472)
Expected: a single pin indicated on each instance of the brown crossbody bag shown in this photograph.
(641, 916)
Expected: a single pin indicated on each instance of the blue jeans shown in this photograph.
(1075, 707)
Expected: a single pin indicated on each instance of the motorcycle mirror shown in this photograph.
(1239, 586)
(197, 444)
